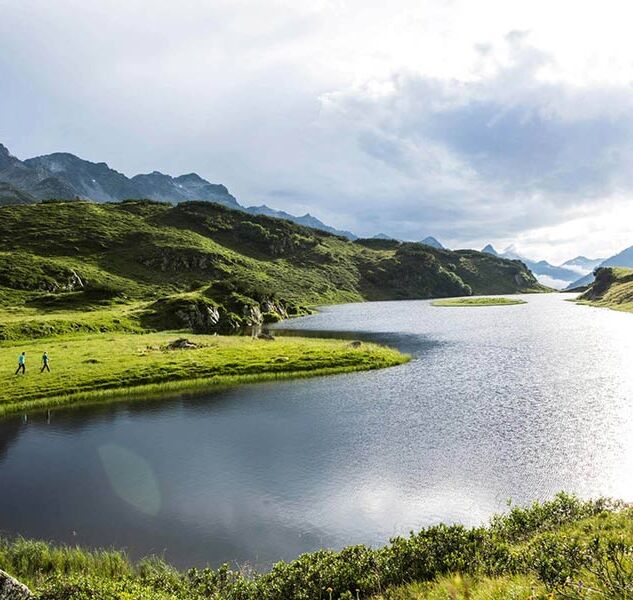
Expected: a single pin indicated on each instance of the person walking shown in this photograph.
(21, 363)
(45, 360)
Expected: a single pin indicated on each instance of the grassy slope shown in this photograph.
(98, 367)
(539, 552)
(134, 254)
(612, 288)
(478, 302)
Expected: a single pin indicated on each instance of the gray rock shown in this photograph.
(199, 316)
(12, 589)
(252, 315)
(181, 344)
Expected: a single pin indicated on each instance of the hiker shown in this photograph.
(21, 363)
(45, 363)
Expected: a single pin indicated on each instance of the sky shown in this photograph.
(502, 121)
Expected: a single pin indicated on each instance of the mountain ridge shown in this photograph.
(65, 176)
(622, 259)
(551, 275)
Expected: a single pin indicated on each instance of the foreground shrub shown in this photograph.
(566, 547)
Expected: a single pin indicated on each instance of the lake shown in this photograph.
(499, 403)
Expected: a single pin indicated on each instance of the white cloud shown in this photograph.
(473, 121)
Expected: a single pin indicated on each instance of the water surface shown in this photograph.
(513, 402)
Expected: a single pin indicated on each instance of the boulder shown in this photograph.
(12, 589)
(181, 344)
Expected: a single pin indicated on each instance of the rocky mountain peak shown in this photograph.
(190, 178)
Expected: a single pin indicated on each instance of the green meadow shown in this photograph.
(105, 366)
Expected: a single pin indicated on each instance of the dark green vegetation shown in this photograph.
(70, 266)
(612, 288)
(98, 367)
(479, 301)
(529, 553)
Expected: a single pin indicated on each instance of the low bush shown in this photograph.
(563, 548)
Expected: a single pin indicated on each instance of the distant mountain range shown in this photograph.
(621, 259)
(582, 264)
(559, 277)
(64, 176)
(429, 240)
(306, 220)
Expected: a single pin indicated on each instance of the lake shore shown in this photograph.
(88, 369)
(541, 551)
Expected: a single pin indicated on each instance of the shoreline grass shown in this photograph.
(541, 552)
(469, 301)
(92, 369)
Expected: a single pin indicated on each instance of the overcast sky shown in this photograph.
(504, 121)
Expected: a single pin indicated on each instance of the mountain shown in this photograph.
(427, 241)
(621, 259)
(98, 182)
(31, 181)
(431, 241)
(64, 176)
(547, 274)
(306, 220)
(201, 265)
(12, 195)
(582, 264)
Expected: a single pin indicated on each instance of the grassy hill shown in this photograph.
(562, 549)
(612, 288)
(80, 266)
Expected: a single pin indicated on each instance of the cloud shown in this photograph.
(473, 122)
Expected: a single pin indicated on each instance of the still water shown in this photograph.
(498, 403)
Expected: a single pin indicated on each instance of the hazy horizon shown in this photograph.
(498, 123)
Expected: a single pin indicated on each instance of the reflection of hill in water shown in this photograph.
(409, 343)
(10, 430)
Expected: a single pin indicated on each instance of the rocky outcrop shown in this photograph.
(178, 260)
(12, 589)
(271, 307)
(252, 315)
(72, 283)
(202, 315)
(198, 316)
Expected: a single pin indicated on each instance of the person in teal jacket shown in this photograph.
(45, 360)
(21, 363)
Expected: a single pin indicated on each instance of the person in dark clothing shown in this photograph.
(21, 363)
(45, 361)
